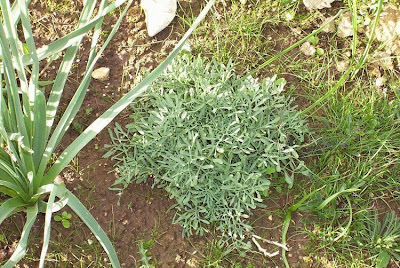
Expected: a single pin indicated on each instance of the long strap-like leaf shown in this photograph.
(13, 97)
(20, 251)
(71, 38)
(9, 206)
(65, 68)
(99, 124)
(16, 12)
(56, 191)
(76, 102)
(14, 187)
(33, 82)
(74, 203)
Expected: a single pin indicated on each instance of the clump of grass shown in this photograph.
(246, 33)
(214, 142)
(362, 134)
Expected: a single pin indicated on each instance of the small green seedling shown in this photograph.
(89, 110)
(314, 40)
(64, 219)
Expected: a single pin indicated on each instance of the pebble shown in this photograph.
(101, 74)
(345, 26)
(308, 49)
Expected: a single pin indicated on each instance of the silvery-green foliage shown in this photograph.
(213, 141)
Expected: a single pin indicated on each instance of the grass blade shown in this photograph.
(287, 220)
(298, 43)
(364, 57)
(334, 196)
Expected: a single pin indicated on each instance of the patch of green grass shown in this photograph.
(247, 33)
(356, 128)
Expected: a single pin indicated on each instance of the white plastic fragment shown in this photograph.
(159, 14)
(317, 4)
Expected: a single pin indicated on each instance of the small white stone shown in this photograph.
(58, 180)
(307, 49)
(330, 27)
(342, 66)
(159, 14)
(101, 74)
(380, 81)
(345, 27)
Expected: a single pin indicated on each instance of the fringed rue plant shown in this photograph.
(215, 142)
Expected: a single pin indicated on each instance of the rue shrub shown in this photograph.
(214, 141)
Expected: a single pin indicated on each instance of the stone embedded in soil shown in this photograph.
(380, 81)
(345, 27)
(101, 74)
(330, 27)
(307, 49)
(317, 4)
(383, 60)
(159, 14)
(388, 29)
(342, 66)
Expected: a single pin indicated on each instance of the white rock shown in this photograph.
(330, 27)
(58, 180)
(101, 74)
(384, 60)
(380, 81)
(345, 27)
(388, 29)
(342, 66)
(307, 49)
(159, 14)
(317, 4)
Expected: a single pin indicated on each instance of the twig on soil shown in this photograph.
(264, 251)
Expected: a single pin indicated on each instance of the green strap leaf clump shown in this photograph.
(214, 141)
